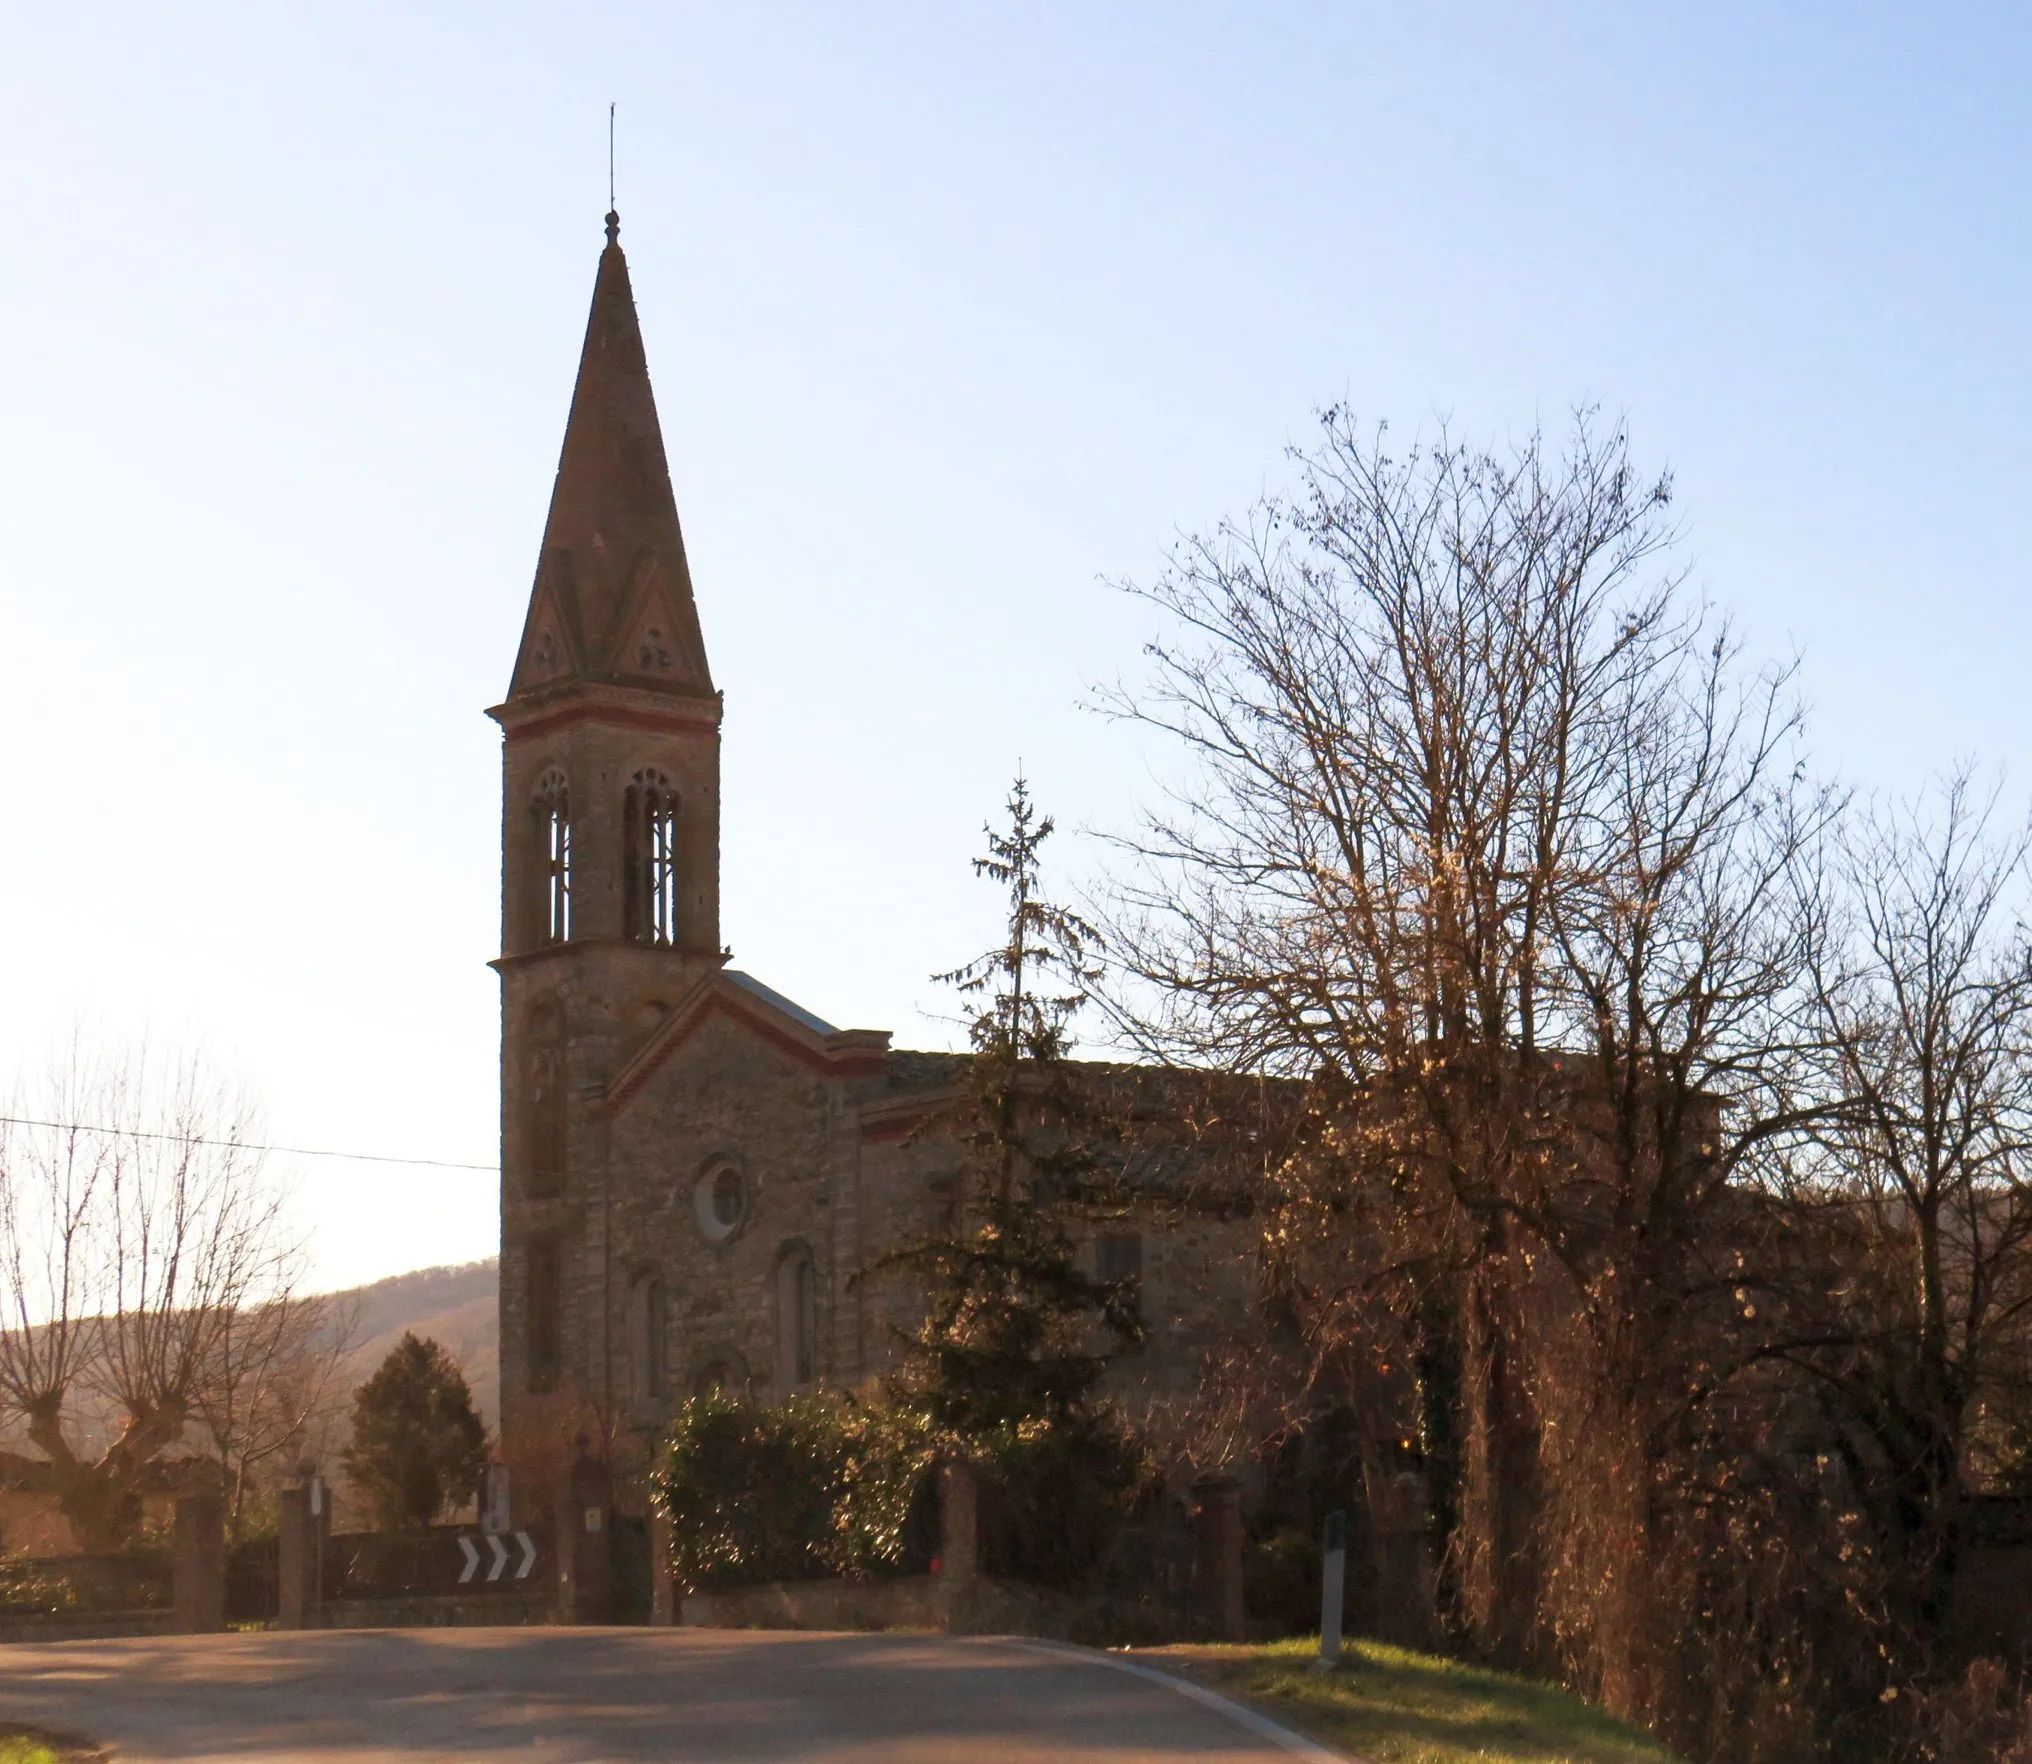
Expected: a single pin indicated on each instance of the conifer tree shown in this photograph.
(417, 1446)
(1017, 1334)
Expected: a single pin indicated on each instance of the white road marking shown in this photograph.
(1260, 1725)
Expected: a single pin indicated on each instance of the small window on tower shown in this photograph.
(552, 808)
(650, 813)
(547, 1121)
(543, 1320)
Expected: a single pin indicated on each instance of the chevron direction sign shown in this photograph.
(497, 1547)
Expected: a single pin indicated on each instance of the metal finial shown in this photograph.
(613, 214)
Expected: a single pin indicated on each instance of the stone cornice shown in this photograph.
(531, 714)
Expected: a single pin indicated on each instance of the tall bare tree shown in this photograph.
(1487, 836)
(1922, 975)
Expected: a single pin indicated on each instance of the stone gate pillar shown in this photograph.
(199, 1563)
(299, 1568)
(959, 1540)
(1217, 1522)
(959, 1545)
(663, 1600)
(585, 1562)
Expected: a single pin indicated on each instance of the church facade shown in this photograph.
(699, 1179)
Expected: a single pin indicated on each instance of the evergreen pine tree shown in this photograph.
(1017, 1334)
(417, 1446)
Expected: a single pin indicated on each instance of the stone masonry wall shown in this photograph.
(725, 1100)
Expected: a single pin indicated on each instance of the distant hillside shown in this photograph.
(455, 1307)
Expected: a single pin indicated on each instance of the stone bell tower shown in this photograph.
(610, 816)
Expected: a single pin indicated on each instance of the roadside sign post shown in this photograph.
(1332, 1587)
(494, 1509)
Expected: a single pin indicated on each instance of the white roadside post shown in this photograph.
(494, 1509)
(1332, 1584)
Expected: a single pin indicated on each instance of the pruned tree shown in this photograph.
(418, 1444)
(136, 1228)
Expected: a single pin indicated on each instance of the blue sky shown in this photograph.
(956, 314)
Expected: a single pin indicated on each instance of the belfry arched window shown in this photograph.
(551, 806)
(650, 818)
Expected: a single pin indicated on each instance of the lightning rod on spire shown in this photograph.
(613, 216)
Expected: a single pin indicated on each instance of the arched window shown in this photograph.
(551, 807)
(542, 1316)
(647, 1322)
(650, 819)
(546, 1122)
(796, 1319)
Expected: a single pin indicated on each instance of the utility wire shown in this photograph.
(293, 1151)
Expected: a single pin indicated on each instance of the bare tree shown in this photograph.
(137, 1229)
(1922, 974)
(272, 1379)
(1487, 837)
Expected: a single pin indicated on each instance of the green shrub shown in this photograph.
(812, 1487)
(26, 1586)
(1058, 1496)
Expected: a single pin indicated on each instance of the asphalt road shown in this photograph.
(548, 1696)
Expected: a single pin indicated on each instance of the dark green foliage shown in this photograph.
(1059, 1494)
(1003, 1371)
(811, 1487)
(28, 1586)
(417, 1444)
(1009, 1341)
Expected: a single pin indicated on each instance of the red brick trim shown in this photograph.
(615, 716)
(752, 1017)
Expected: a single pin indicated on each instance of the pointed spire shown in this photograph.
(613, 596)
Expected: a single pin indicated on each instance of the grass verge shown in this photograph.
(27, 1745)
(1392, 1706)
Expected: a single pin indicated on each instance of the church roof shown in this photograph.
(770, 996)
(612, 599)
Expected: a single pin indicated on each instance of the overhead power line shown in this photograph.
(293, 1151)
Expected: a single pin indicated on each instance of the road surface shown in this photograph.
(573, 1696)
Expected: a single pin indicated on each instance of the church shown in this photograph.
(699, 1178)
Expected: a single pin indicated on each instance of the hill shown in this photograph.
(456, 1307)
